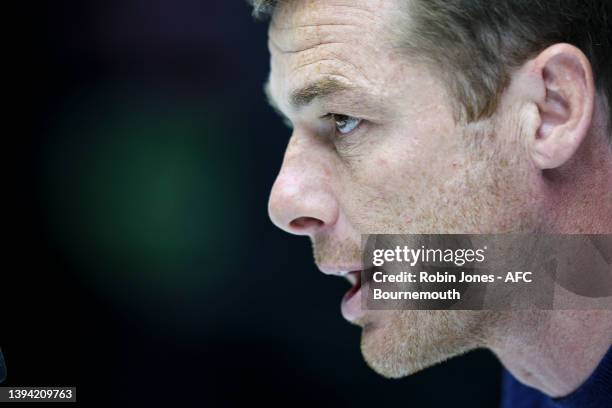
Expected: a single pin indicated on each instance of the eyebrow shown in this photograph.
(301, 97)
(320, 89)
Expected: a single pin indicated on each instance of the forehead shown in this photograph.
(312, 40)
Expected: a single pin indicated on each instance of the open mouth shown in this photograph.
(354, 278)
(351, 302)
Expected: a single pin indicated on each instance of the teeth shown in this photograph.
(344, 273)
(352, 278)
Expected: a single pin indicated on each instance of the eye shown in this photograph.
(345, 124)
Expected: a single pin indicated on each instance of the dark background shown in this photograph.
(145, 269)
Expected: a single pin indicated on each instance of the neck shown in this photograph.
(553, 351)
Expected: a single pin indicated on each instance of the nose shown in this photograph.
(302, 201)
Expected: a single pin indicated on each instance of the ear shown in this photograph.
(565, 107)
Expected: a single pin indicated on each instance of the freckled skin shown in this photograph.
(410, 168)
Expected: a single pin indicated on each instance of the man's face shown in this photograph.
(375, 149)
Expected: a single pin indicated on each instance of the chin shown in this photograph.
(400, 343)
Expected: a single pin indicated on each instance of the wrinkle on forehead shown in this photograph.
(298, 24)
(303, 12)
(334, 59)
(345, 40)
(296, 39)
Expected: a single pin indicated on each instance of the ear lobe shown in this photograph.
(566, 109)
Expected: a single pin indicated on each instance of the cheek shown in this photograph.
(402, 180)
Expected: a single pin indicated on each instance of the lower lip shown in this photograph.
(351, 303)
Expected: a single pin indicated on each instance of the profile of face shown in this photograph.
(376, 147)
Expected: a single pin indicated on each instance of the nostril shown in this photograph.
(303, 223)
